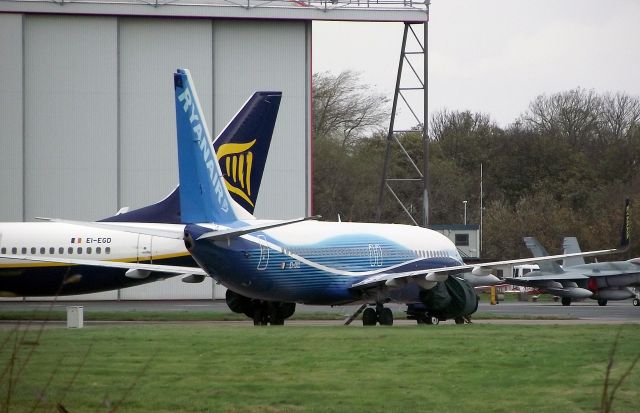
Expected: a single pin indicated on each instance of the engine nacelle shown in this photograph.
(239, 303)
(481, 280)
(450, 299)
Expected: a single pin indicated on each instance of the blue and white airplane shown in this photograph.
(269, 266)
(242, 148)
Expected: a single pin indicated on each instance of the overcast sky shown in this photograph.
(495, 56)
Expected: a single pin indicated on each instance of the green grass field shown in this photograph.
(218, 368)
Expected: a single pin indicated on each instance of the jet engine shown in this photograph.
(452, 298)
(262, 312)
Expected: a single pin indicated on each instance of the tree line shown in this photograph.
(562, 168)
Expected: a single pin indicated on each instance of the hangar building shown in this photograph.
(86, 100)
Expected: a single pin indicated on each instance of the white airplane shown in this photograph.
(269, 266)
(242, 147)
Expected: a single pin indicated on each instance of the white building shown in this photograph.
(465, 237)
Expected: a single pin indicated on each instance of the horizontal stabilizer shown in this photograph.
(236, 232)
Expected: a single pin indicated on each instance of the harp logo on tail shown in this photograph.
(236, 160)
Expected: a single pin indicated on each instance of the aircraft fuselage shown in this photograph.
(61, 240)
(318, 262)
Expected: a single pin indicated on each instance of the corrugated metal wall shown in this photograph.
(11, 118)
(71, 121)
(150, 51)
(88, 119)
(267, 56)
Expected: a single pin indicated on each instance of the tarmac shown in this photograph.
(585, 312)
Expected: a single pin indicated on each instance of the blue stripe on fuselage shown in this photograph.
(242, 266)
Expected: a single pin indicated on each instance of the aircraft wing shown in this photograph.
(174, 231)
(426, 277)
(548, 277)
(166, 269)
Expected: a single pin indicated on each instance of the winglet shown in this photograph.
(625, 236)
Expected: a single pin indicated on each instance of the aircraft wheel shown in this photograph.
(369, 317)
(386, 317)
(566, 301)
(636, 302)
(459, 320)
(276, 317)
(602, 302)
(260, 317)
(431, 319)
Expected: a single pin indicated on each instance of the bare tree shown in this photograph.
(572, 115)
(620, 113)
(445, 124)
(346, 109)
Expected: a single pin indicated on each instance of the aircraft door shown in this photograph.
(144, 248)
(375, 255)
(264, 255)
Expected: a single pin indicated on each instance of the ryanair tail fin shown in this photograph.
(243, 145)
(203, 194)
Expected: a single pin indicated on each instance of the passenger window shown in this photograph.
(70, 250)
(33, 250)
(3, 250)
(107, 250)
(98, 250)
(52, 250)
(79, 250)
(24, 250)
(88, 250)
(61, 250)
(42, 250)
(14, 250)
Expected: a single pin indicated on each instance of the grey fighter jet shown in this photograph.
(601, 281)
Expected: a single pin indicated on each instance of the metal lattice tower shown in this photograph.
(419, 177)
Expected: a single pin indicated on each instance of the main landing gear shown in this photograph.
(428, 319)
(381, 314)
(262, 312)
(566, 301)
